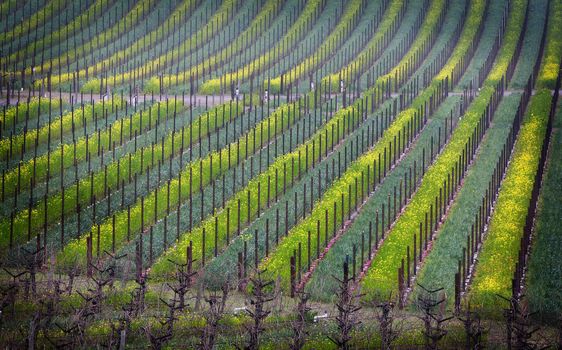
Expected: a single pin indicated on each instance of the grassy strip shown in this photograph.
(195, 174)
(508, 220)
(324, 289)
(544, 277)
(8, 4)
(276, 263)
(204, 34)
(440, 265)
(28, 110)
(399, 71)
(127, 21)
(255, 196)
(345, 26)
(34, 20)
(97, 7)
(66, 123)
(381, 279)
(434, 17)
(111, 175)
(222, 266)
(331, 231)
(247, 212)
(544, 272)
(553, 50)
(147, 40)
(389, 24)
(66, 154)
(305, 20)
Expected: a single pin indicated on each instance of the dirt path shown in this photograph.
(197, 100)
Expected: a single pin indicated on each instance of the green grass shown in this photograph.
(308, 157)
(221, 268)
(323, 288)
(381, 278)
(440, 265)
(73, 120)
(510, 212)
(553, 50)
(508, 219)
(266, 156)
(373, 48)
(131, 19)
(218, 21)
(31, 111)
(134, 163)
(307, 17)
(544, 281)
(63, 33)
(72, 54)
(276, 263)
(50, 9)
(64, 156)
(344, 27)
(177, 193)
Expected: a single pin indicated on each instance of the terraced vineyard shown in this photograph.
(294, 174)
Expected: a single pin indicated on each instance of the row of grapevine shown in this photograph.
(469, 214)
(305, 157)
(293, 35)
(409, 120)
(221, 17)
(441, 179)
(458, 52)
(509, 228)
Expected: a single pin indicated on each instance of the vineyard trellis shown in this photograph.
(200, 173)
